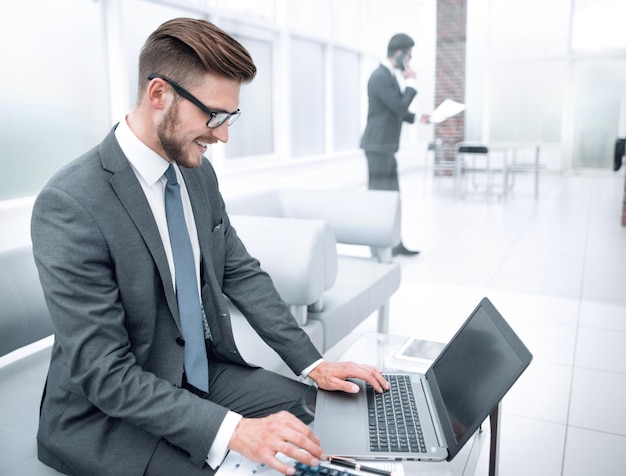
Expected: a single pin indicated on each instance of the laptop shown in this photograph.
(459, 390)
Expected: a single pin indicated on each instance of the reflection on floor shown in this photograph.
(556, 269)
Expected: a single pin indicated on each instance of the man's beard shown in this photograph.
(174, 148)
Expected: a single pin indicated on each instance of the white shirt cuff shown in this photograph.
(219, 449)
(411, 83)
(305, 373)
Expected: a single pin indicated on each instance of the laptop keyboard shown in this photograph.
(394, 424)
(304, 470)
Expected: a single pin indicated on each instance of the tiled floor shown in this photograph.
(556, 269)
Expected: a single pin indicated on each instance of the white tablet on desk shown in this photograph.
(419, 350)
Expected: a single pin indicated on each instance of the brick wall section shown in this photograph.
(450, 69)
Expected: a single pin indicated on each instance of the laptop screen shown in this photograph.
(473, 373)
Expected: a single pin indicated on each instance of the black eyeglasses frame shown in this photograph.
(218, 118)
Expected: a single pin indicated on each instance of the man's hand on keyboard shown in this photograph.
(261, 439)
(335, 375)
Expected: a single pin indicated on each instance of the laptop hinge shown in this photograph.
(441, 439)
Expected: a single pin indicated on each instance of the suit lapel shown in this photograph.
(393, 77)
(130, 194)
(206, 205)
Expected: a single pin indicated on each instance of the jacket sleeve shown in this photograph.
(253, 292)
(385, 89)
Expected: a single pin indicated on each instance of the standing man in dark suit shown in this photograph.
(390, 91)
(123, 394)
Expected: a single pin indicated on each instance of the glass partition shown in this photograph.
(54, 101)
(599, 91)
(345, 100)
(307, 97)
(253, 133)
(529, 101)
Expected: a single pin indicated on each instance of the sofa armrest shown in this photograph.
(24, 316)
(357, 217)
(299, 255)
(367, 217)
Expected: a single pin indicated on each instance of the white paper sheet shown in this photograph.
(446, 109)
(236, 465)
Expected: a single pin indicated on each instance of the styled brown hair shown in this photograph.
(184, 49)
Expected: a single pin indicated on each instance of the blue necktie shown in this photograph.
(189, 304)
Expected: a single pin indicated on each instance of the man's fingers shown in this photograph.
(263, 438)
(367, 373)
(278, 465)
(334, 376)
(374, 377)
(274, 462)
(302, 456)
(344, 386)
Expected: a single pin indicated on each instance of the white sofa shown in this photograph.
(330, 293)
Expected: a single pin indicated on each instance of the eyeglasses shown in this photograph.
(216, 119)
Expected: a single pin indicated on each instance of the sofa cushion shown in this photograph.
(266, 203)
(24, 316)
(21, 386)
(256, 352)
(361, 286)
(299, 255)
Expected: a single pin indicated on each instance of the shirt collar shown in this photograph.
(395, 72)
(147, 163)
(387, 64)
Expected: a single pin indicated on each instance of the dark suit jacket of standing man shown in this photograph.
(107, 276)
(388, 109)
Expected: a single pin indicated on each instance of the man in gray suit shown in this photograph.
(119, 397)
(390, 91)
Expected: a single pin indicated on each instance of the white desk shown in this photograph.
(501, 161)
(513, 164)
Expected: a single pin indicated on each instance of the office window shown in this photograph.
(529, 101)
(345, 100)
(346, 22)
(307, 98)
(598, 25)
(515, 80)
(599, 92)
(261, 9)
(53, 100)
(312, 18)
(253, 133)
(528, 29)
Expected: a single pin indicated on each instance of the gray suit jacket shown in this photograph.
(388, 107)
(116, 368)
